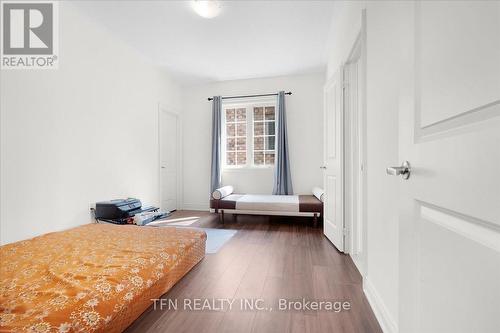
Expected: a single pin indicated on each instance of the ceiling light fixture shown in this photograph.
(206, 8)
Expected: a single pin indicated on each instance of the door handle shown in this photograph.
(404, 170)
(322, 167)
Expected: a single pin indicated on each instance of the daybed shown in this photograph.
(93, 278)
(223, 200)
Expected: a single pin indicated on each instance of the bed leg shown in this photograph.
(315, 220)
(222, 216)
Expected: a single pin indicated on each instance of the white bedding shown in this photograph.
(259, 202)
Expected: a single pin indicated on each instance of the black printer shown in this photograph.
(120, 210)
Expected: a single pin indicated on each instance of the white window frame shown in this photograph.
(249, 104)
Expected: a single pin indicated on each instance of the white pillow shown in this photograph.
(318, 193)
(222, 192)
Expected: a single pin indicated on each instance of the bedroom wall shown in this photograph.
(305, 127)
(381, 278)
(79, 134)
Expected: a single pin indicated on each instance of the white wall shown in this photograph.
(83, 133)
(346, 25)
(305, 128)
(381, 280)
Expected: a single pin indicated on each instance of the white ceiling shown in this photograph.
(248, 39)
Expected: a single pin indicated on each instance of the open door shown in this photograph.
(450, 134)
(333, 218)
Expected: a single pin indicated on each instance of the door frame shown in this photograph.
(357, 54)
(172, 111)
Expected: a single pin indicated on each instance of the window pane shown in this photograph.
(231, 158)
(258, 113)
(269, 158)
(258, 158)
(241, 114)
(231, 144)
(241, 143)
(270, 128)
(242, 158)
(230, 115)
(258, 143)
(264, 130)
(258, 128)
(269, 112)
(241, 129)
(270, 142)
(230, 129)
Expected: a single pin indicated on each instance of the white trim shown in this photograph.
(172, 111)
(384, 317)
(364, 146)
(247, 104)
(480, 232)
(266, 212)
(357, 236)
(245, 168)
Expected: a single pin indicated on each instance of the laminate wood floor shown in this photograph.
(269, 258)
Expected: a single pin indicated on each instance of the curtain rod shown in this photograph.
(261, 95)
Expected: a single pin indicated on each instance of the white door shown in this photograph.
(450, 134)
(169, 159)
(333, 221)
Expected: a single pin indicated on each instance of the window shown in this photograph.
(236, 136)
(249, 134)
(264, 135)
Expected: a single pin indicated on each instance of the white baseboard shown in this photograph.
(384, 317)
(195, 206)
(359, 264)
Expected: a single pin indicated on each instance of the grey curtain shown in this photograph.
(215, 179)
(282, 175)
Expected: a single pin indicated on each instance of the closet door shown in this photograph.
(169, 159)
(333, 218)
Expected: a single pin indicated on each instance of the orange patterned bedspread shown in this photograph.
(93, 278)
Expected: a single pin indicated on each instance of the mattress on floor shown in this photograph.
(93, 278)
(275, 203)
